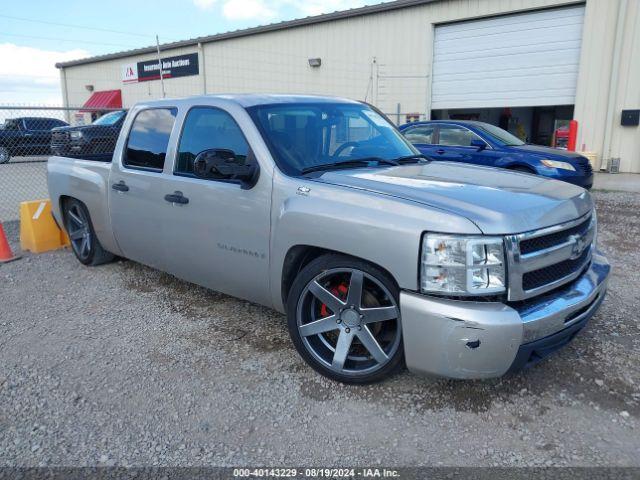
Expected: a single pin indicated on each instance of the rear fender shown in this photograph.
(87, 182)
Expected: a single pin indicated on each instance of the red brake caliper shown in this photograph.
(341, 292)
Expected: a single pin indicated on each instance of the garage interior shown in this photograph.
(518, 72)
(548, 125)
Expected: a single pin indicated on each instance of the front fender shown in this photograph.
(383, 230)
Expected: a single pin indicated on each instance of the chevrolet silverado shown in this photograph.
(319, 208)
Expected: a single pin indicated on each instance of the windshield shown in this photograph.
(300, 136)
(499, 134)
(110, 118)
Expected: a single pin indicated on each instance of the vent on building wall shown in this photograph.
(315, 62)
(614, 165)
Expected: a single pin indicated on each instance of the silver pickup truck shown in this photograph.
(318, 207)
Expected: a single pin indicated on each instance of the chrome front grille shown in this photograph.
(536, 243)
(59, 139)
(545, 259)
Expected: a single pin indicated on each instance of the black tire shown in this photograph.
(375, 284)
(84, 242)
(5, 156)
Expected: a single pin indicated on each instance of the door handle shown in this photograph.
(176, 197)
(440, 151)
(120, 186)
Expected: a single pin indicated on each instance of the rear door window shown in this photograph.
(421, 134)
(42, 123)
(12, 125)
(149, 139)
(455, 136)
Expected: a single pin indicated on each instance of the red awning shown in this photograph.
(105, 99)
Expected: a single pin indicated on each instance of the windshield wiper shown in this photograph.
(357, 162)
(418, 157)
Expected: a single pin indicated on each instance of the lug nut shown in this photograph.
(338, 321)
(347, 329)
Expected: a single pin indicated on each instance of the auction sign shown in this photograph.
(172, 67)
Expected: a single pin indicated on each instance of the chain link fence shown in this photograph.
(29, 135)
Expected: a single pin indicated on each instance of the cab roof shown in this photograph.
(247, 100)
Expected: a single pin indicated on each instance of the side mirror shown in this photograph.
(479, 144)
(223, 164)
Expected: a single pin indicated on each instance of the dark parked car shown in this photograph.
(26, 136)
(485, 144)
(96, 141)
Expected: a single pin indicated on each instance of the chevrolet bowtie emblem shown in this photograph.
(579, 244)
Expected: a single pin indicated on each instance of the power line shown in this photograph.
(44, 22)
(68, 40)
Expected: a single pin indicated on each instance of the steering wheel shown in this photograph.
(343, 147)
(286, 148)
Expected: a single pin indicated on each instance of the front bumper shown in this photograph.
(579, 178)
(585, 181)
(466, 339)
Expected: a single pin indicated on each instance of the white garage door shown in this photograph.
(527, 59)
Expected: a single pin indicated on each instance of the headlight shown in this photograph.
(462, 265)
(558, 164)
(75, 135)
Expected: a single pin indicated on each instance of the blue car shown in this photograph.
(485, 144)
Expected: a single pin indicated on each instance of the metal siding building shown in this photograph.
(393, 56)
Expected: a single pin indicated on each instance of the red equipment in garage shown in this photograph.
(566, 137)
(561, 138)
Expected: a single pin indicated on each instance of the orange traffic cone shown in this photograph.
(6, 255)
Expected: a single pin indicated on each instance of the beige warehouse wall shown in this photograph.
(594, 82)
(385, 58)
(625, 141)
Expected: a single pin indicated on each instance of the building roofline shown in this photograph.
(273, 27)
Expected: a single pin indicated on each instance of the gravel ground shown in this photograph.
(124, 365)
(22, 179)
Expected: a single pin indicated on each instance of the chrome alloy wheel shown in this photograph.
(79, 231)
(349, 321)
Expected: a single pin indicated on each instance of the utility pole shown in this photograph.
(160, 65)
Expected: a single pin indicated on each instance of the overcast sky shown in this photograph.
(35, 34)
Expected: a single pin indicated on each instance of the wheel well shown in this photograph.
(62, 202)
(300, 256)
(521, 168)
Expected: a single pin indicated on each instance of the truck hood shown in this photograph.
(83, 128)
(497, 201)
